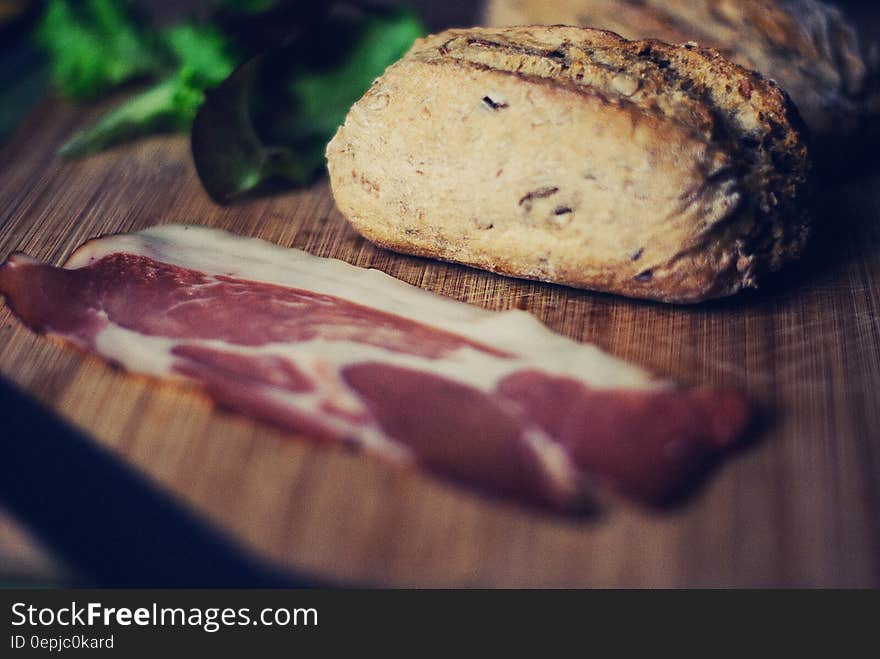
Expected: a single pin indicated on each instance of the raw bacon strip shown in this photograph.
(495, 401)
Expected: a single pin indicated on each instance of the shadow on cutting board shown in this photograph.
(845, 231)
(106, 520)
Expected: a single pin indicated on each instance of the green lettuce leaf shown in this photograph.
(202, 58)
(95, 45)
(269, 123)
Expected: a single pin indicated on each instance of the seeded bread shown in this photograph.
(805, 45)
(574, 156)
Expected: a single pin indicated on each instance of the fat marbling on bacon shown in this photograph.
(494, 401)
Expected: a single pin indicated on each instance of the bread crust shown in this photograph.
(807, 46)
(577, 157)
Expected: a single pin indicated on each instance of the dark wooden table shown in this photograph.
(799, 507)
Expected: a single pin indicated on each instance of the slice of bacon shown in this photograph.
(494, 401)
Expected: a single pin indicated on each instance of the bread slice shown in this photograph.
(807, 46)
(574, 156)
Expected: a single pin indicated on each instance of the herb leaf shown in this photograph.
(95, 45)
(270, 122)
(203, 54)
(203, 60)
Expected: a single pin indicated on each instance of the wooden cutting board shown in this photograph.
(799, 507)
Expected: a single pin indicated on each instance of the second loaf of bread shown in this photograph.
(809, 47)
(575, 156)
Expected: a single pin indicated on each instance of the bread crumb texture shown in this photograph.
(575, 156)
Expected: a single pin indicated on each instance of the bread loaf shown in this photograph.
(574, 156)
(805, 45)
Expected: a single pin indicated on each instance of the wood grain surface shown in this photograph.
(799, 507)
